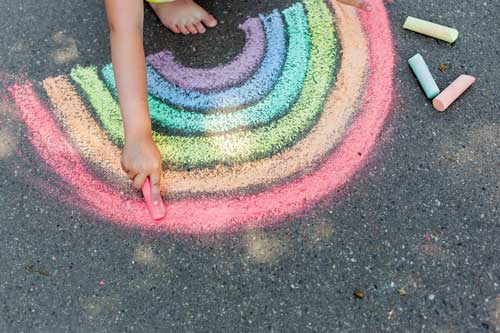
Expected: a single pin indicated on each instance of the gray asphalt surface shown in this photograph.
(423, 216)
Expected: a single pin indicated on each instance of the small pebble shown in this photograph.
(444, 67)
(401, 291)
(359, 294)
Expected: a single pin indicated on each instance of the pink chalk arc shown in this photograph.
(200, 216)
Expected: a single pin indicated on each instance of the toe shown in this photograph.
(174, 28)
(200, 27)
(192, 29)
(183, 29)
(209, 21)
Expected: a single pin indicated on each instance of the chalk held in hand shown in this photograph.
(453, 92)
(427, 28)
(157, 211)
(424, 76)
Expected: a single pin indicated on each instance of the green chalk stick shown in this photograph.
(424, 76)
(427, 28)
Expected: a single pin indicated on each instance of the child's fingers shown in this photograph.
(155, 178)
(131, 174)
(361, 4)
(139, 180)
(365, 5)
(124, 168)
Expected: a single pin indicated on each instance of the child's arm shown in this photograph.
(140, 157)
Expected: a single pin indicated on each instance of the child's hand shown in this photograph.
(361, 4)
(140, 159)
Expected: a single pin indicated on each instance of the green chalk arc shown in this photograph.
(239, 147)
(172, 121)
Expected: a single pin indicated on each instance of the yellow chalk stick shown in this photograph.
(427, 28)
(453, 92)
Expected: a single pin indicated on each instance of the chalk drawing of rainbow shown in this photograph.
(286, 123)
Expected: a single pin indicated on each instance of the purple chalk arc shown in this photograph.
(218, 77)
(251, 91)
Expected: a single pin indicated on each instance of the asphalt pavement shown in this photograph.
(415, 235)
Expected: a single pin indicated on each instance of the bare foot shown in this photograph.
(184, 16)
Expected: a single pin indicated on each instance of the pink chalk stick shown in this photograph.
(158, 211)
(453, 92)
